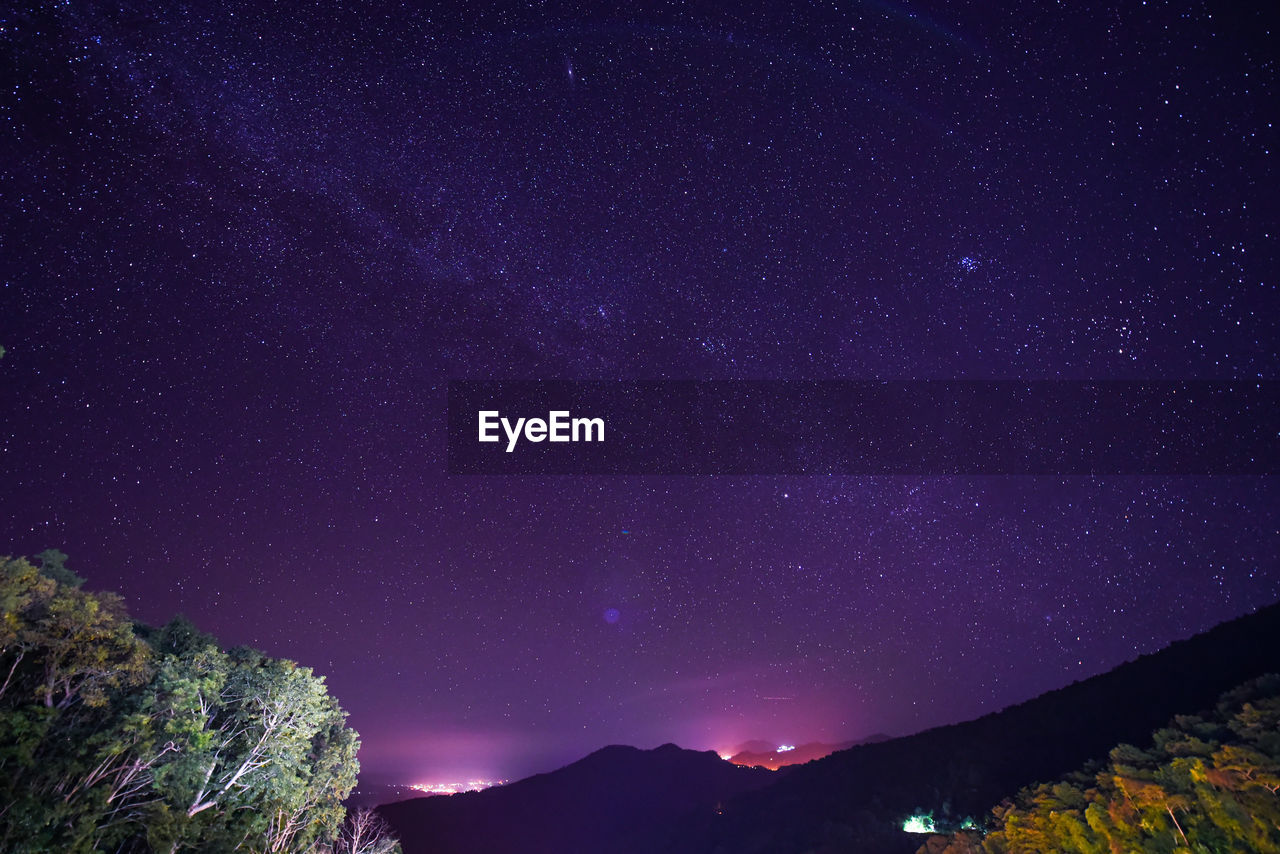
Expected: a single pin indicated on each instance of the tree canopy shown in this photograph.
(1206, 783)
(115, 736)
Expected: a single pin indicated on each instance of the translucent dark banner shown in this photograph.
(935, 427)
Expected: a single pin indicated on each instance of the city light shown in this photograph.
(455, 788)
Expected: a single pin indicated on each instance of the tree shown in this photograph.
(1208, 783)
(120, 737)
(365, 832)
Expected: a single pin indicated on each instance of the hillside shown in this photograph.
(1206, 783)
(618, 799)
(856, 800)
(672, 801)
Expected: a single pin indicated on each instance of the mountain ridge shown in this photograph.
(624, 800)
(614, 799)
(856, 799)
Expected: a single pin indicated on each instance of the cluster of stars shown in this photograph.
(246, 248)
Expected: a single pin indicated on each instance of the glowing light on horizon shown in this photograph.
(783, 748)
(455, 788)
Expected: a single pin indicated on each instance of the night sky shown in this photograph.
(246, 246)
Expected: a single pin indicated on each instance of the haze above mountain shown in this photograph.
(764, 755)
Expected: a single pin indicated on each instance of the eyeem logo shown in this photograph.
(556, 427)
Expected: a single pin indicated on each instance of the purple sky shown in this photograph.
(245, 248)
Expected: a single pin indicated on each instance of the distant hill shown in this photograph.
(762, 754)
(856, 800)
(618, 799)
(368, 795)
(621, 800)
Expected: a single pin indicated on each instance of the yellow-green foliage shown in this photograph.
(1207, 784)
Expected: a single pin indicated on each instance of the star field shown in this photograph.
(245, 248)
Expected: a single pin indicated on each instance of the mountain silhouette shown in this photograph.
(621, 800)
(856, 800)
(618, 799)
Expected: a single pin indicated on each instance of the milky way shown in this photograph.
(245, 248)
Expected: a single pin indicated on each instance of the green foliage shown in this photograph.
(53, 564)
(117, 737)
(1206, 785)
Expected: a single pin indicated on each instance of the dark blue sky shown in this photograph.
(245, 247)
